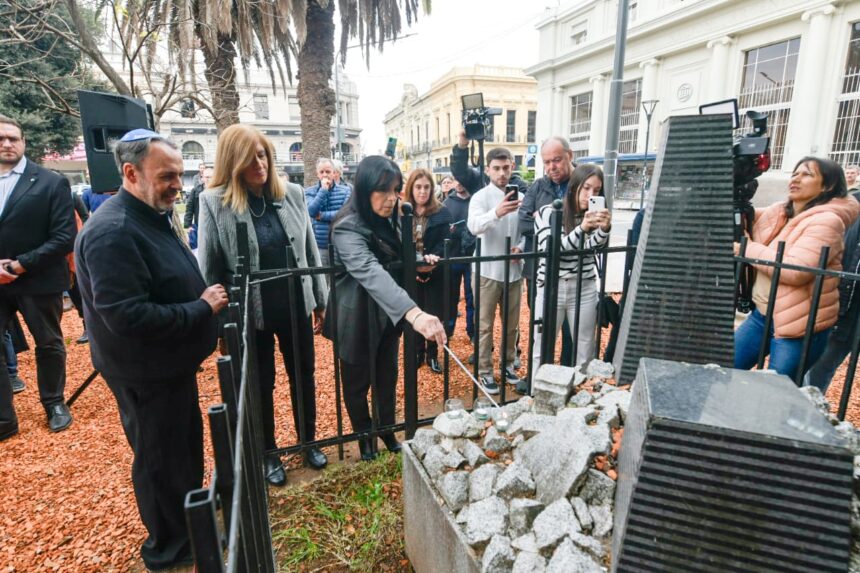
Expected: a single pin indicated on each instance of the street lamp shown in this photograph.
(648, 106)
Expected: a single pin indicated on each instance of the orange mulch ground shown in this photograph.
(66, 500)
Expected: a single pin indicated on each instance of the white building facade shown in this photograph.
(797, 60)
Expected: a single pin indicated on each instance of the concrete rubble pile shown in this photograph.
(537, 495)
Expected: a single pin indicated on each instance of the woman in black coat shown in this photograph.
(431, 225)
(371, 303)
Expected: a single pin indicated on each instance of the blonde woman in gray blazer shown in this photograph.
(246, 188)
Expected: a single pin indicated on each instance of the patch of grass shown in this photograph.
(350, 519)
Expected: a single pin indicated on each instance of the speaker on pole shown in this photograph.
(104, 119)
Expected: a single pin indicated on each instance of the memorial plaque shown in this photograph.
(680, 301)
(726, 470)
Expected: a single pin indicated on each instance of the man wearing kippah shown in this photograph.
(151, 323)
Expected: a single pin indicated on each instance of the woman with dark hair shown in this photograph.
(372, 306)
(816, 215)
(431, 225)
(246, 188)
(578, 223)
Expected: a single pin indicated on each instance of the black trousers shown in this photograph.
(164, 428)
(302, 355)
(356, 383)
(42, 315)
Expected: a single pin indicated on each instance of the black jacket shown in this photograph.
(473, 180)
(370, 299)
(141, 290)
(37, 227)
(849, 293)
(431, 293)
(462, 241)
(192, 206)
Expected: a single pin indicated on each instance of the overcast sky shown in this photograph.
(456, 33)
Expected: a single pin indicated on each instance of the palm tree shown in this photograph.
(262, 31)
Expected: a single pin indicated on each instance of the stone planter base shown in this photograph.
(434, 541)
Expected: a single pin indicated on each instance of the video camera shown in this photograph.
(750, 158)
(476, 117)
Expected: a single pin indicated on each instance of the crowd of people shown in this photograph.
(152, 285)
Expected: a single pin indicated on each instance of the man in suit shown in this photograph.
(151, 321)
(37, 231)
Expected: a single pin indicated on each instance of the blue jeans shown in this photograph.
(461, 272)
(839, 346)
(11, 357)
(784, 352)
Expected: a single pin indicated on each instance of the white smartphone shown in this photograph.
(596, 203)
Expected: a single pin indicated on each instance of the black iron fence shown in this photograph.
(229, 521)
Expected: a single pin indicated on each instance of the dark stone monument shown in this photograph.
(725, 470)
(680, 302)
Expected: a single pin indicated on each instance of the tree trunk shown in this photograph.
(316, 98)
(221, 76)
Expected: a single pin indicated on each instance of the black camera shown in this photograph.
(751, 158)
(476, 117)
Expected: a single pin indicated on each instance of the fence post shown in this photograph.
(203, 529)
(410, 371)
(550, 286)
(297, 363)
(446, 313)
(813, 314)
(852, 369)
(476, 295)
(222, 447)
(771, 301)
(229, 387)
(577, 319)
(506, 296)
(331, 314)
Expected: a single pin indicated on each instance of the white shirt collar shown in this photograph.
(19, 167)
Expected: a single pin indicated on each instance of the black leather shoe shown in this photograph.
(84, 338)
(391, 443)
(433, 363)
(274, 471)
(365, 446)
(17, 385)
(59, 417)
(316, 459)
(7, 430)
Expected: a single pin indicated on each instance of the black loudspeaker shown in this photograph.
(104, 119)
(391, 148)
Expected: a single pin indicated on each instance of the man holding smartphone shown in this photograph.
(37, 231)
(493, 217)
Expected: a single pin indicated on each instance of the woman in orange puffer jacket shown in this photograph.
(816, 215)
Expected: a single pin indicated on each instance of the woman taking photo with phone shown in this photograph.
(579, 222)
(372, 307)
(246, 188)
(431, 223)
(815, 215)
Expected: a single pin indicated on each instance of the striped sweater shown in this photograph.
(569, 264)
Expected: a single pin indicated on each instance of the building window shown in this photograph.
(490, 131)
(846, 137)
(261, 106)
(580, 124)
(532, 127)
(578, 33)
(193, 151)
(633, 11)
(511, 130)
(631, 100)
(768, 86)
(295, 110)
(296, 152)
